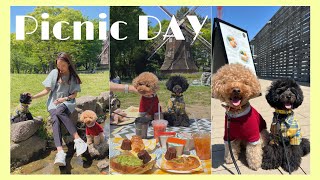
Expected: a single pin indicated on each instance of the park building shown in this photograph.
(282, 47)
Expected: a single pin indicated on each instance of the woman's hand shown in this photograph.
(59, 100)
(42, 93)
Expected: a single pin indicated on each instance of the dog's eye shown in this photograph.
(140, 84)
(147, 85)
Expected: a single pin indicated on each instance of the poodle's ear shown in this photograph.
(299, 95)
(95, 117)
(81, 117)
(169, 84)
(156, 87)
(217, 87)
(155, 83)
(272, 96)
(185, 84)
(255, 88)
(135, 81)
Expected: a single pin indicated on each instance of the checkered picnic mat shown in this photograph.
(127, 131)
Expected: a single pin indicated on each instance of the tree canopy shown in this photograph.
(34, 55)
(128, 58)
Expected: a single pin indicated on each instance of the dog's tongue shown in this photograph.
(288, 105)
(236, 102)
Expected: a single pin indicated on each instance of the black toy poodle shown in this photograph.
(176, 112)
(286, 146)
(22, 112)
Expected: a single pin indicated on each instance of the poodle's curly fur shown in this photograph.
(146, 83)
(177, 83)
(236, 83)
(90, 117)
(280, 90)
(176, 114)
(233, 77)
(283, 94)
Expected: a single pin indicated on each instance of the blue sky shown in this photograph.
(92, 12)
(250, 18)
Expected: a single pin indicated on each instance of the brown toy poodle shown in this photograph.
(94, 131)
(235, 85)
(147, 84)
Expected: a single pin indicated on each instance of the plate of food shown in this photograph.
(135, 144)
(244, 56)
(184, 164)
(128, 163)
(232, 41)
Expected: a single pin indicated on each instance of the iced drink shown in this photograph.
(202, 145)
(158, 127)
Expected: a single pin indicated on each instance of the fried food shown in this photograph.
(182, 163)
(137, 144)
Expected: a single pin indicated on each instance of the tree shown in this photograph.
(39, 55)
(126, 54)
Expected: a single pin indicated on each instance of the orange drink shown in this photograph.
(202, 144)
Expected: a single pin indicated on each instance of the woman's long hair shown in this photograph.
(66, 58)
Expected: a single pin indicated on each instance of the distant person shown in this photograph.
(63, 84)
(116, 80)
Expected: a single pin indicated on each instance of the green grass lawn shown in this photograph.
(197, 98)
(92, 84)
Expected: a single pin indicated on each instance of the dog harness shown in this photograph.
(246, 125)
(94, 130)
(288, 126)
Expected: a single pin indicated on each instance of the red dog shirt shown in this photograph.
(146, 102)
(246, 127)
(94, 130)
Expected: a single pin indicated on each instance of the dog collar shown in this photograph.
(91, 125)
(280, 111)
(24, 105)
(238, 113)
(176, 95)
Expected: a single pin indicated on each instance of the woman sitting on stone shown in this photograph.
(63, 84)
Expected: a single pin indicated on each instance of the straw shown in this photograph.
(196, 122)
(159, 110)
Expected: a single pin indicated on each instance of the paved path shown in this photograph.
(217, 112)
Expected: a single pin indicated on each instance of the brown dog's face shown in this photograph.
(235, 85)
(88, 117)
(146, 84)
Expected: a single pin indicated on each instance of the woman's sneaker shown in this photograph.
(60, 159)
(80, 146)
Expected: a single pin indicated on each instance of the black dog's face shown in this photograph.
(284, 94)
(177, 84)
(25, 98)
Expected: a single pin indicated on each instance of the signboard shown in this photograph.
(235, 46)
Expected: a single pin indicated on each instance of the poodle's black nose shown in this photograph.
(236, 90)
(288, 96)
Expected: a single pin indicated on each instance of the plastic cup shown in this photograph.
(202, 144)
(158, 127)
(141, 125)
